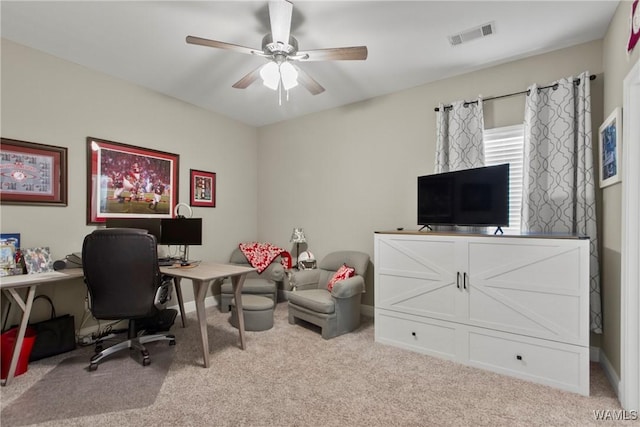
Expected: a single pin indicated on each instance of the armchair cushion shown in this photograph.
(317, 300)
(344, 272)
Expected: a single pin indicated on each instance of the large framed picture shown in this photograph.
(203, 188)
(32, 174)
(125, 181)
(610, 133)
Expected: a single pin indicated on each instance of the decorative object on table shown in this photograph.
(297, 237)
(128, 181)
(176, 210)
(55, 335)
(609, 148)
(306, 261)
(73, 260)
(202, 187)
(634, 30)
(32, 174)
(38, 260)
(10, 256)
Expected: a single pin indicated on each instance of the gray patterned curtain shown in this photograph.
(459, 143)
(558, 172)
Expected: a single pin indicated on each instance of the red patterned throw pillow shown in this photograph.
(343, 272)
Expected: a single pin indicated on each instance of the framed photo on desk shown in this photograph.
(125, 181)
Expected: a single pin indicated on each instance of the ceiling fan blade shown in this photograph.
(280, 16)
(249, 78)
(308, 82)
(335, 54)
(220, 45)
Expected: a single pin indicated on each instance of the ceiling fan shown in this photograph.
(281, 50)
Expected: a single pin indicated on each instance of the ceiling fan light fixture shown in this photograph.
(270, 74)
(289, 75)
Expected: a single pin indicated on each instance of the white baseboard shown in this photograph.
(367, 310)
(597, 355)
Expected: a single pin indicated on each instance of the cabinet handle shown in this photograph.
(458, 280)
(464, 280)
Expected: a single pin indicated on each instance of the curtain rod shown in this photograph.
(576, 81)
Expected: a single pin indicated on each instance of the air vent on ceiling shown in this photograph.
(472, 34)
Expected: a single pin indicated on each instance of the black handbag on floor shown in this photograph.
(54, 336)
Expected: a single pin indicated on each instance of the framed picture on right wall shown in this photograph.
(610, 135)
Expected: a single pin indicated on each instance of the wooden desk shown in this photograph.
(11, 284)
(202, 276)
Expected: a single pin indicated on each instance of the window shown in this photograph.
(506, 145)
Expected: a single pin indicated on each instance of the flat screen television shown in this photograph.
(470, 197)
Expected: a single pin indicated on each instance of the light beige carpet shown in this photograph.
(69, 390)
(290, 376)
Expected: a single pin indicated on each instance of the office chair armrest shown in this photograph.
(163, 293)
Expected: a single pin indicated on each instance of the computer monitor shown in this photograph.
(181, 232)
(152, 225)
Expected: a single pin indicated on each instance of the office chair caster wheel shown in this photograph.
(172, 342)
(93, 367)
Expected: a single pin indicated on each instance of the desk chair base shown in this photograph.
(136, 343)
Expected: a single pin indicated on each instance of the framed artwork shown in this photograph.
(38, 260)
(32, 174)
(125, 181)
(634, 31)
(610, 134)
(9, 246)
(203, 188)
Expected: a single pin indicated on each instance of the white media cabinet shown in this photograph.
(516, 305)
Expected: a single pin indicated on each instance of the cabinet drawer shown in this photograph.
(424, 335)
(546, 362)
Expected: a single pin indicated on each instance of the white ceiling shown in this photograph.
(143, 42)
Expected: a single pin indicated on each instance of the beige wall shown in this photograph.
(344, 173)
(341, 174)
(616, 65)
(51, 101)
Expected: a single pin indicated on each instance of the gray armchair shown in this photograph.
(336, 312)
(265, 283)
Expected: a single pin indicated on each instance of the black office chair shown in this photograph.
(124, 281)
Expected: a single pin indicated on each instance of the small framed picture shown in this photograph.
(203, 188)
(610, 146)
(9, 246)
(32, 174)
(38, 260)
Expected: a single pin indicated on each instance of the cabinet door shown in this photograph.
(535, 287)
(418, 275)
